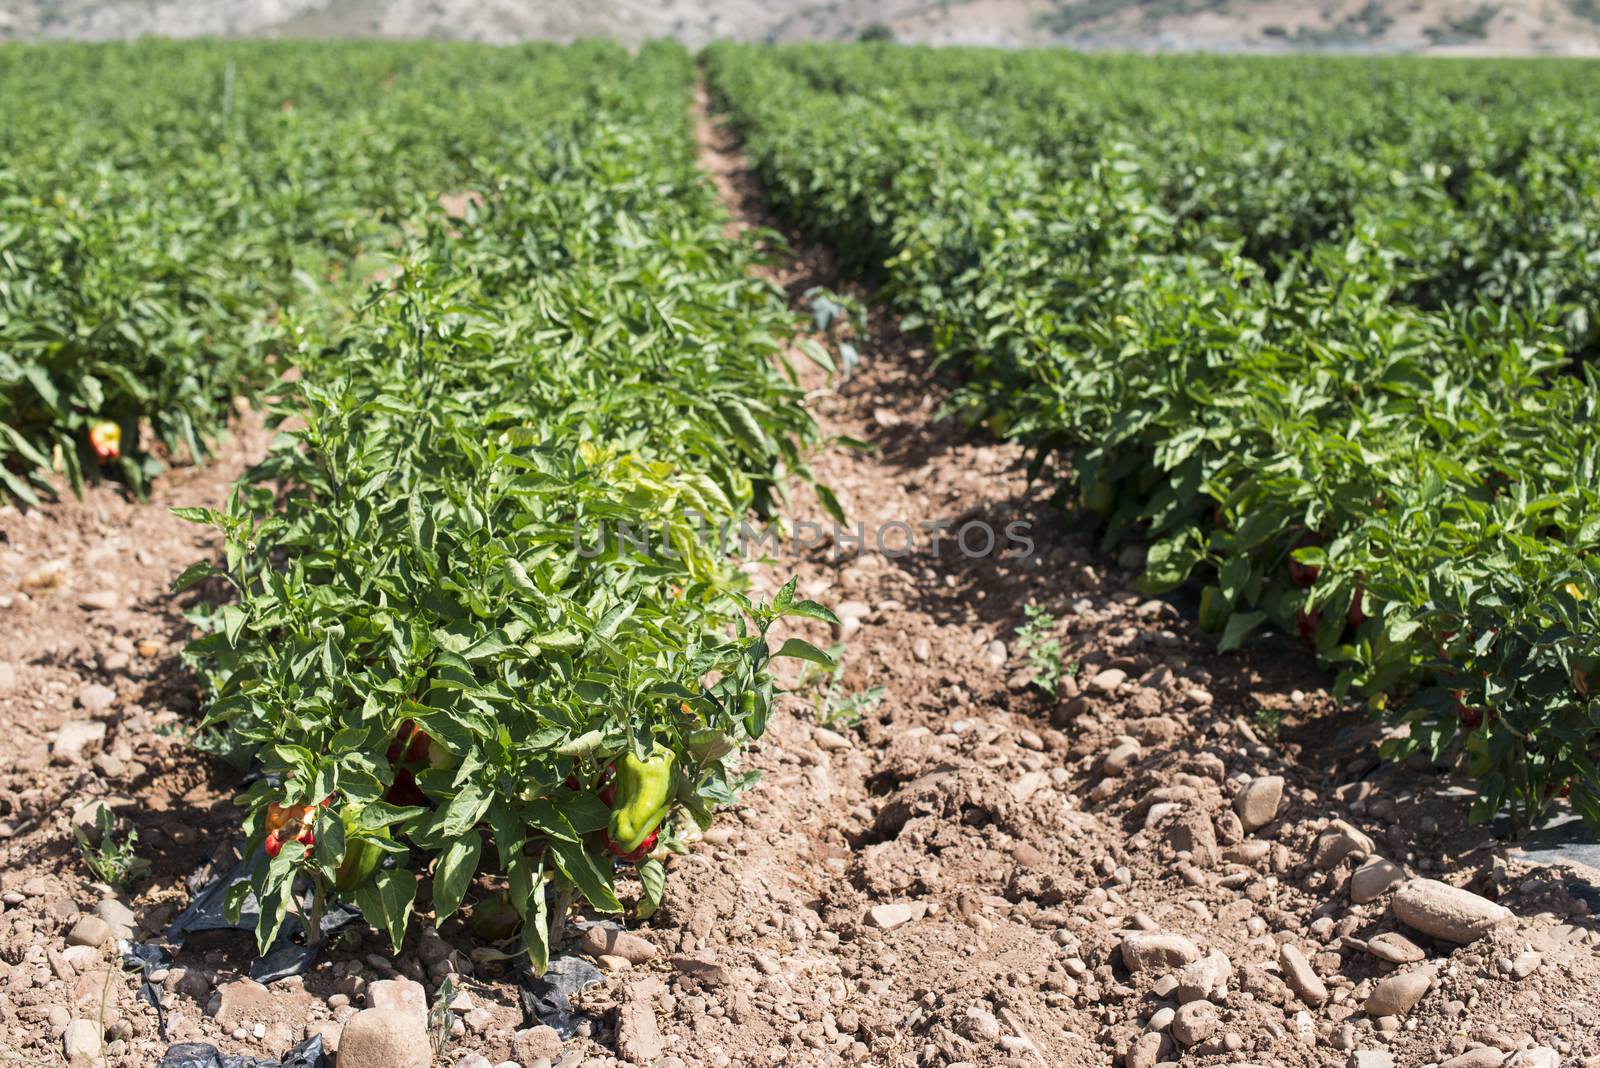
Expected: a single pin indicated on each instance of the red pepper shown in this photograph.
(1308, 623)
(405, 790)
(105, 440)
(307, 837)
(273, 845)
(636, 855)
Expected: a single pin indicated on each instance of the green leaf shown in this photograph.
(800, 649)
(453, 874)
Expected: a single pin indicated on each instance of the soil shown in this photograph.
(977, 871)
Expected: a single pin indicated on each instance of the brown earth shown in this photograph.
(976, 872)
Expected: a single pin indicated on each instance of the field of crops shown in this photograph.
(1322, 334)
(1253, 349)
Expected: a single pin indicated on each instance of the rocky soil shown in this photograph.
(1176, 857)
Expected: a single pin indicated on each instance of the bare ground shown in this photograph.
(963, 877)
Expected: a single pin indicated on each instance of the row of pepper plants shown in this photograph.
(466, 632)
(163, 205)
(1316, 330)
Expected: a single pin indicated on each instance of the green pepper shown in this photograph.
(361, 857)
(1099, 497)
(1214, 610)
(644, 793)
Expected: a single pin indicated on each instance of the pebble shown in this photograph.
(1257, 804)
(100, 600)
(73, 736)
(1120, 758)
(400, 995)
(1107, 681)
(1340, 841)
(385, 1038)
(1195, 1022)
(1482, 1057)
(1370, 1058)
(1301, 977)
(1143, 950)
(83, 1044)
(1204, 978)
(611, 941)
(96, 698)
(1396, 995)
(1373, 879)
(1526, 963)
(1446, 912)
(1394, 948)
(90, 931)
(888, 917)
(536, 1044)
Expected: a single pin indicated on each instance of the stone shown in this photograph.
(709, 972)
(1446, 912)
(1370, 1058)
(536, 1044)
(1341, 840)
(1396, 995)
(90, 931)
(615, 942)
(100, 600)
(1301, 977)
(1195, 1022)
(118, 915)
(73, 737)
(84, 1044)
(1145, 1052)
(1107, 681)
(1120, 758)
(1526, 963)
(638, 1036)
(888, 917)
(1535, 1057)
(1143, 950)
(1373, 879)
(385, 1038)
(1204, 978)
(1257, 804)
(401, 995)
(1395, 948)
(96, 698)
(1482, 1057)
(81, 958)
(246, 1001)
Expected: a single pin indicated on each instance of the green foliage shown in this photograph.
(1317, 329)
(1042, 649)
(470, 574)
(831, 702)
(158, 231)
(113, 862)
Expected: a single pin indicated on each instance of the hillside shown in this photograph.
(1559, 27)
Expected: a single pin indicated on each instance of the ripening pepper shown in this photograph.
(105, 438)
(644, 793)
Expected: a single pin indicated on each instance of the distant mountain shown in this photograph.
(1518, 27)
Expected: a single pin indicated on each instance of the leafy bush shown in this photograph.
(1288, 342)
(448, 654)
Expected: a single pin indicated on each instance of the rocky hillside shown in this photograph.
(1558, 27)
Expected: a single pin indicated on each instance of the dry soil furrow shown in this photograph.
(1176, 856)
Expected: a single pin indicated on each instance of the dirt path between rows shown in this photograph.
(975, 873)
